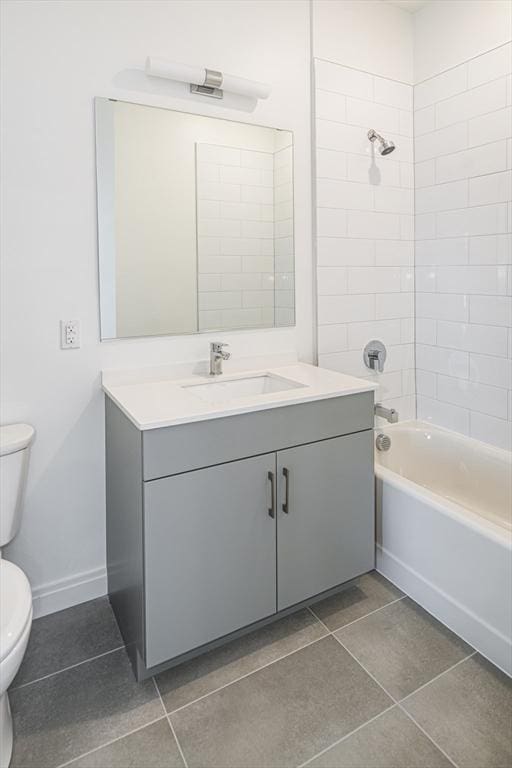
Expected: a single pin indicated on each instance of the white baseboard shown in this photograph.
(57, 595)
(486, 639)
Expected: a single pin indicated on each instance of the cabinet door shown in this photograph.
(210, 554)
(325, 531)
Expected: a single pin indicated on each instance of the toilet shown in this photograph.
(15, 593)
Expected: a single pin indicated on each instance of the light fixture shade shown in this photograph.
(245, 87)
(173, 70)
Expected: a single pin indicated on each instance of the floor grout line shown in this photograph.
(66, 669)
(347, 735)
(159, 695)
(177, 741)
(425, 733)
(366, 670)
(396, 701)
(112, 741)
(375, 610)
(461, 661)
(248, 674)
(319, 619)
(268, 664)
(402, 709)
(169, 723)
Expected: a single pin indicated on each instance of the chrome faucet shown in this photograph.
(217, 355)
(386, 413)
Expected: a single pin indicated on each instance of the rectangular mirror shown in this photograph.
(195, 222)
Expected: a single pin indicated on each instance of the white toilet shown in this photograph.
(15, 593)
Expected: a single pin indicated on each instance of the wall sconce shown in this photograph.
(207, 82)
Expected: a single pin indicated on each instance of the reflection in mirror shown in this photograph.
(195, 222)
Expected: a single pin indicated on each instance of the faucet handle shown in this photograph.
(217, 348)
(374, 355)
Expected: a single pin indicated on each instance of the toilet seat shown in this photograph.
(15, 437)
(15, 607)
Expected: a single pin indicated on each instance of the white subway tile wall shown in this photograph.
(463, 254)
(235, 228)
(365, 228)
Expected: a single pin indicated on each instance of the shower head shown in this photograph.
(385, 146)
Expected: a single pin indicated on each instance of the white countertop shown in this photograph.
(156, 402)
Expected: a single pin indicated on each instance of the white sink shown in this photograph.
(249, 386)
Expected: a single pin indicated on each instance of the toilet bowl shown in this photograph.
(15, 592)
(15, 623)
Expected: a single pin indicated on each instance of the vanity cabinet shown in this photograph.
(217, 526)
(325, 525)
(210, 549)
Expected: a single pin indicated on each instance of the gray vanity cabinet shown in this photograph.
(325, 516)
(199, 546)
(210, 553)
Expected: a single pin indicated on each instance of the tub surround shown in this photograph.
(444, 531)
(463, 179)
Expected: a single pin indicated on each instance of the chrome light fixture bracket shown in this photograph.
(211, 86)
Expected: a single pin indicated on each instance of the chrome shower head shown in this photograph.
(385, 146)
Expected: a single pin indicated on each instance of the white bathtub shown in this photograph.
(444, 531)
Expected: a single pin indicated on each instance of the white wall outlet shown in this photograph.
(69, 334)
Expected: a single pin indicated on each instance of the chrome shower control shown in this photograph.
(374, 355)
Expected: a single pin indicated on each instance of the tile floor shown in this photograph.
(365, 679)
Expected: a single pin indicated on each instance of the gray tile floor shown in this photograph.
(365, 679)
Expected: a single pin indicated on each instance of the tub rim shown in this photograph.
(501, 534)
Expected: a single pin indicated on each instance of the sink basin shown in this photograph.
(249, 386)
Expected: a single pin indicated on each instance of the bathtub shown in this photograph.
(444, 531)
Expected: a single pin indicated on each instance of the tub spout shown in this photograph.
(390, 414)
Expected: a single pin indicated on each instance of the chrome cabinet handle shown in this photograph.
(286, 475)
(271, 509)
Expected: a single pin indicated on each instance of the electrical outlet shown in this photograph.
(69, 334)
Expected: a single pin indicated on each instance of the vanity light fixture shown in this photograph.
(207, 82)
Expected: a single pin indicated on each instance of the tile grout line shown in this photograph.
(347, 735)
(461, 661)
(397, 702)
(169, 723)
(248, 674)
(112, 741)
(252, 672)
(343, 626)
(177, 741)
(402, 709)
(157, 689)
(364, 668)
(425, 733)
(65, 669)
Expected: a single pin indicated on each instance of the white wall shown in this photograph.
(370, 35)
(448, 32)
(56, 56)
(463, 151)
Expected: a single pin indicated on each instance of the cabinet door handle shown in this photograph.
(271, 509)
(286, 475)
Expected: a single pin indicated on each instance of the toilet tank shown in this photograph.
(15, 441)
